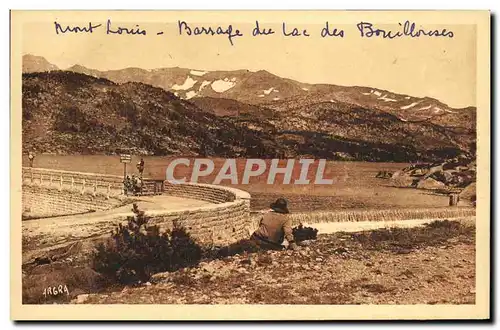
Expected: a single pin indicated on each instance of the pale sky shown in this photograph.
(438, 67)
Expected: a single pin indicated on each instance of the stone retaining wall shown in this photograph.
(224, 221)
(204, 192)
(40, 201)
(217, 224)
(213, 224)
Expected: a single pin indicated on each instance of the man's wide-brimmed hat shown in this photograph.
(280, 206)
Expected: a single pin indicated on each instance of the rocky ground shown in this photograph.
(424, 265)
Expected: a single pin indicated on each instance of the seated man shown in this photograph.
(274, 227)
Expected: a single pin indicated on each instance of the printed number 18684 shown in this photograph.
(55, 290)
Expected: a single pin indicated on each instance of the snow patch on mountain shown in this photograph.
(374, 92)
(190, 94)
(197, 73)
(261, 95)
(220, 86)
(204, 84)
(268, 91)
(305, 89)
(425, 108)
(387, 99)
(276, 99)
(437, 110)
(405, 107)
(188, 83)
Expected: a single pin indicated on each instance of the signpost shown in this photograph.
(125, 158)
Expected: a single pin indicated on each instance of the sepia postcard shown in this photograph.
(250, 165)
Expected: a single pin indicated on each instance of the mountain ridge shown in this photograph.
(262, 87)
(33, 63)
(68, 112)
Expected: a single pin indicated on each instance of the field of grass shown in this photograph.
(354, 186)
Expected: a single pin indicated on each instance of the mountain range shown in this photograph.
(232, 113)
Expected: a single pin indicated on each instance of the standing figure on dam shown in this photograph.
(274, 227)
(31, 157)
(128, 185)
(140, 167)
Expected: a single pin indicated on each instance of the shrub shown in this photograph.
(301, 233)
(138, 250)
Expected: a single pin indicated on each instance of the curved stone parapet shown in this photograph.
(213, 224)
(224, 219)
(205, 192)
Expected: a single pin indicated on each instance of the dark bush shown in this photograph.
(136, 251)
(301, 233)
